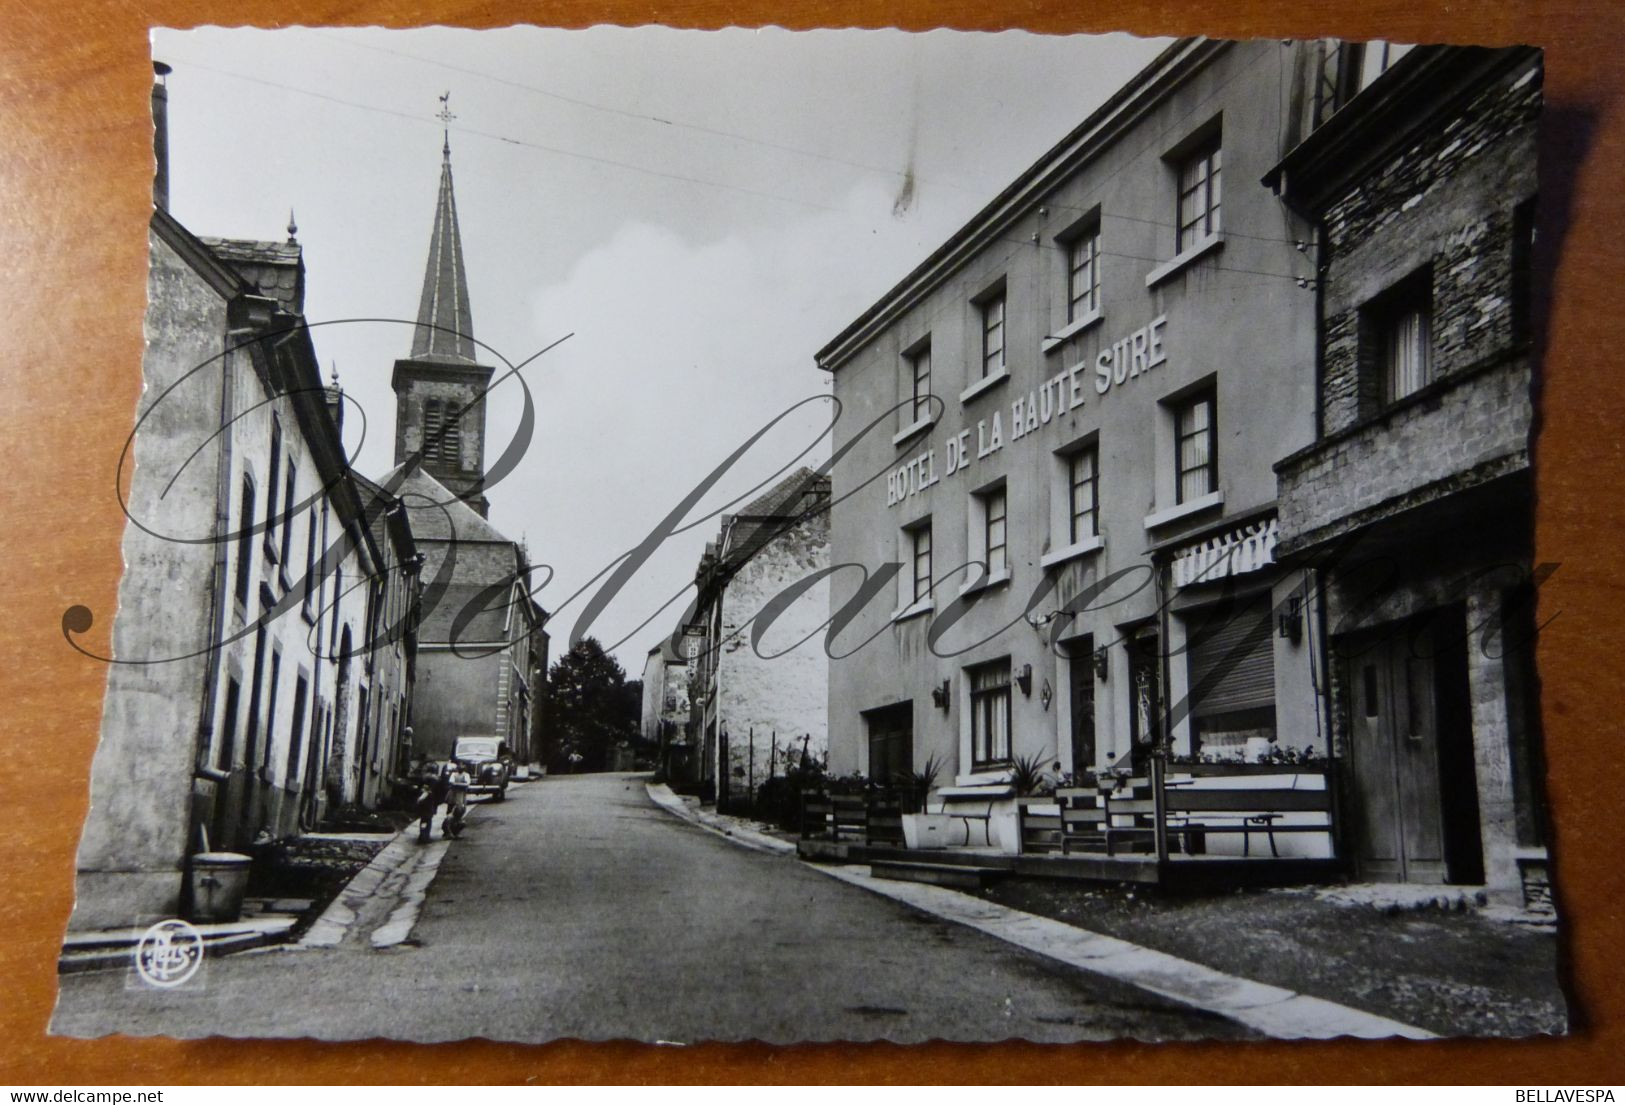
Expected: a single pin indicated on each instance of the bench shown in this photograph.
(864, 818)
(976, 804)
(1194, 810)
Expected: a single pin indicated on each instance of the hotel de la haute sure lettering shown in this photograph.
(1125, 359)
(1139, 642)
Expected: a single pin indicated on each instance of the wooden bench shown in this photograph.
(865, 818)
(816, 813)
(1119, 814)
(1193, 810)
(885, 824)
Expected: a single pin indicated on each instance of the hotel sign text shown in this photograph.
(1124, 359)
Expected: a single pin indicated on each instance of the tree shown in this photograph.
(590, 711)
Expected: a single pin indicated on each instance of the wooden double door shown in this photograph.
(1410, 735)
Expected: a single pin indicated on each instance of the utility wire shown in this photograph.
(409, 116)
(624, 113)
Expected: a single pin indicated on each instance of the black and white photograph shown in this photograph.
(844, 535)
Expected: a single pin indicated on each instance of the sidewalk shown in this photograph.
(752, 834)
(1306, 961)
(1456, 971)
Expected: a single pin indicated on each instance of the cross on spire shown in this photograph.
(445, 116)
(444, 329)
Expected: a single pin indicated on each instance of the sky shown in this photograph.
(690, 215)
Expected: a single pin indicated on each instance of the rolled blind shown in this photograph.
(1232, 662)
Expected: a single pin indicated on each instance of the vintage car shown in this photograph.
(486, 760)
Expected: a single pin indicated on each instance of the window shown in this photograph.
(1376, 58)
(287, 521)
(1083, 499)
(918, 543)
(993, 335)
(310, 583)
(271, 485)
(245, 547)
(226, 743)
(1083, 275)
(1231, 656)
(1199, 195)
(296, 738)
(918, 380)
(1196, 469)
(264, 764)
(1399, 326)
(442, 441)
(995, 532)
(990, 713)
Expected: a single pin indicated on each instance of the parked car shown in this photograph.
(487, 762)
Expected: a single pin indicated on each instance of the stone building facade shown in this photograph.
(236, 708)
(757, 673)
(1415, 503)
(665, 710)
(1055, 505)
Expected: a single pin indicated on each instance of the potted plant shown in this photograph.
(1030, 777)
(922, 829)
(1037, 812)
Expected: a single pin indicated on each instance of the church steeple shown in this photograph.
(445, 327)
(440, 387)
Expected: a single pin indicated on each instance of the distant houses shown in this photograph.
(754, 679)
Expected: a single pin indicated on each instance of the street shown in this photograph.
(580, 909)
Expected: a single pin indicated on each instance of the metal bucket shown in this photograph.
(219, 880)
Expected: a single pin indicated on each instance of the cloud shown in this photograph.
(681, 350)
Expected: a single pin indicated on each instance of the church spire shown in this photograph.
(445, 329)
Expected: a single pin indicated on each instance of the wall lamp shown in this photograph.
(939, 695)
(1289, 622)
(1024, 680)
(1102, 663)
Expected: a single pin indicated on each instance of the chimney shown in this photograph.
(160, 136)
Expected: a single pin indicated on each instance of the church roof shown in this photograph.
(277, 269)
(438, 514)
(445, 329)
(482, 622)
(800, 494)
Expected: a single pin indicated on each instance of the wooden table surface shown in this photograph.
(75, 164)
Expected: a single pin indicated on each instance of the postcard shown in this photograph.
(830, 535)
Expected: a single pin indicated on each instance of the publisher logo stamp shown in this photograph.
(168, 954)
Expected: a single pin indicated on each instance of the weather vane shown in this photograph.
(445, 116)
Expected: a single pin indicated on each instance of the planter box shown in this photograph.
(926, 830)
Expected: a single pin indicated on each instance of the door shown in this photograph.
(1144, 700)
(1080, 676)
(891, 745)
(1403, 764)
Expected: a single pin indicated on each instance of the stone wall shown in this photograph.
(134, 846)
(1470, 429)
(774, 694)
(1446, 200)
(1443, 209)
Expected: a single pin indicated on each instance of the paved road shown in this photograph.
(579, 909)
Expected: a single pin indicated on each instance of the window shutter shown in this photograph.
(1247, 665)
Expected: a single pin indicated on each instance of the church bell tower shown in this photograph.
(440, 388)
